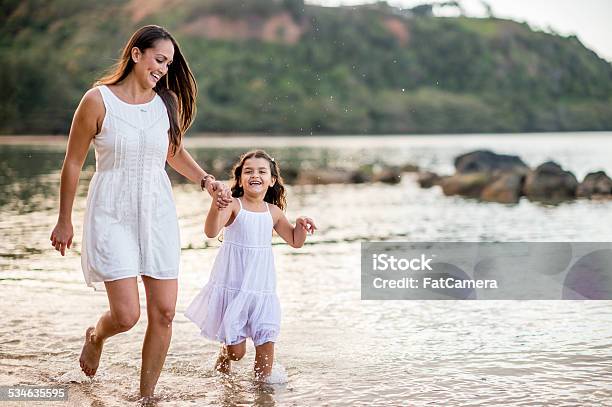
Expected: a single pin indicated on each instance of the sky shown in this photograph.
(589, 20)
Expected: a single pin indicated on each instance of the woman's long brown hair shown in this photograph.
(178, 88)
(275, 194)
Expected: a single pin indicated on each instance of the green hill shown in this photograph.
(280, 66)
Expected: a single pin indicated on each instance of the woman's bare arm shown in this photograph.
(85, 125)
(185, 165)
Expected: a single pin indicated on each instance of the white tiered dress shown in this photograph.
(130, 226)
(239, 301)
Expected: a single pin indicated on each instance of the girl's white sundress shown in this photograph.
(130, 226)
(240, 298)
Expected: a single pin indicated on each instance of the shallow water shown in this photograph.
(335, 349)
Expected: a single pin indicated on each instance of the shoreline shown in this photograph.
(239, 139)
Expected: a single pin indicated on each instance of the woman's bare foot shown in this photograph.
(223, 362)
(148, 401)
(90, 355)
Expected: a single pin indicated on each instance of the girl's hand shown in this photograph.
(61, 237)
(220, 192)
(306, 224)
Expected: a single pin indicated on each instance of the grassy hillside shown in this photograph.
(279, 66)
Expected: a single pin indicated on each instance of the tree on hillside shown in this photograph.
(488, 9)
(423, 10)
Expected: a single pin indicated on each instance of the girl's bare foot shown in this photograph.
(90, 355)
(223, 362)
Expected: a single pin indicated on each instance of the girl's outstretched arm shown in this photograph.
(218, 217)
(295, 236)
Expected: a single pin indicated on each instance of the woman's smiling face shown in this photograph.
(152, 64)
(256, 176)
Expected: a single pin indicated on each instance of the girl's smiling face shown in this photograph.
(256, 176)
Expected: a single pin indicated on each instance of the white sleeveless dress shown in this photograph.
(239, 301)
(130, 226)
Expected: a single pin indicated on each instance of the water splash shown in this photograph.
(73, 376)
(278, 375)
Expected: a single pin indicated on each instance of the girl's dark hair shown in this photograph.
(276, 193)
(177, 88)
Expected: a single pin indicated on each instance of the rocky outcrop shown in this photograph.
(409, 167)
(492, 177)
(397, 27)
(551, 183)
(388, 175)
(485, 175)
(279, 28)
(595, 185)
(368, 173)
(488, 161)
(469, 185)
(428, 179)
(324, 176)
(505, 189)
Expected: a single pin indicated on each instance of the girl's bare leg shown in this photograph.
(222, 365)
(229, 353)
(123, 315)
(264, 358)
(161, 304)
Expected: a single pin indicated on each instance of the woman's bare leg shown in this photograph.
(229, 353)
(123, 314)
(264, 358)
(161, 304)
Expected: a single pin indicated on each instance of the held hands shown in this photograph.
(306, 224)
(220, 192)
(61, 237)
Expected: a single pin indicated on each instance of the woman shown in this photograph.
(136, 117)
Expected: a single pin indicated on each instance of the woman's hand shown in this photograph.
(221, 192)
(61, 237)
(306, 224)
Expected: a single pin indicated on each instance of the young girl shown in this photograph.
(240, 298)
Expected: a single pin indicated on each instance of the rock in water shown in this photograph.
(506, 189)
(488, 161)
(388, 175)
(324, 176)
(595, 184)
(550, 183)
(428, 179)
(470, 185)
